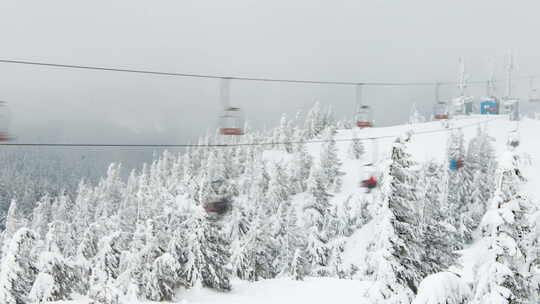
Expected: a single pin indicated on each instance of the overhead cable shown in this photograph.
(208, 76)
(230, 145)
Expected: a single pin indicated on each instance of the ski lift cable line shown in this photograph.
(270, 143)
(259, 79)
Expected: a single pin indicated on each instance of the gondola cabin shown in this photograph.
(514, 143)
(232, 122)
(513, 140)
(469, 106)
(220, 201)
(534, 96)
(370, 179)
(4, 122)
(364, 117)
(510, 106)
(489, 107)
(456, 164)
(217, 205)
(369, 183)
(462, 105)
(441, 111)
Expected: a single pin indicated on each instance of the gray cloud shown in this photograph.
(323, 40)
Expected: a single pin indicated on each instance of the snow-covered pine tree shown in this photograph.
(438, 233)
(330, 162)
(352, 215)
(165, 278)
(207, 255)
(58, 239)
(500, 279)
(259, 251)
(19, 268)
(56, 280)
(283, 134)
(63, 208)
(278, 189)
(301, 167)
(106, 271)
(283, 236)
(42, 289)
(84, 210)
(129, 206)
(318, 215)
(459, 190)
(394, 259)
(109, 193)
(294, 243)
(41, 216)
(241, 223)
(316, 121)
(88, 248)
(298, 269)
(356, 147)
(531, 245)
(481, 165)
(14, 219)
(141, 270)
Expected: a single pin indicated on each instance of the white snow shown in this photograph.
(428, 142)
(311, 290)
(442, 288)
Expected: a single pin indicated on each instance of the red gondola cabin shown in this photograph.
(364, 117)
(232, 122)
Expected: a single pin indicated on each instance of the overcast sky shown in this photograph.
(323, 40)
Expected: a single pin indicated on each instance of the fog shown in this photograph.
(364, 41)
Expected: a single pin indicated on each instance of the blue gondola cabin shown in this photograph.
(456, 164)
(489, 107)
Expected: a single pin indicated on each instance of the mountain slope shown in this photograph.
(428, 142)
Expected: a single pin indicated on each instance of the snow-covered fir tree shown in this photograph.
(481, 165)
(438, 233)
(395, 256)
(501, 278)
(356, 147)
(19, 268)
(330, 163)
(459, 189)
(318, 216)
(292, 214)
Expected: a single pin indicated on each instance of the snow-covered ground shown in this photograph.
(428, 142)
(311, 290)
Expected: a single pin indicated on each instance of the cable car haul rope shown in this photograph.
(260, 79)
(269, 143)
